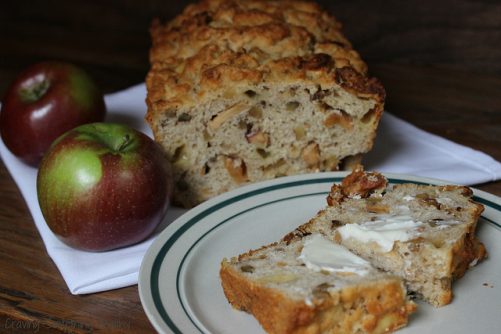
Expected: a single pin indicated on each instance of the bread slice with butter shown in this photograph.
(422, 233)
(313, 285)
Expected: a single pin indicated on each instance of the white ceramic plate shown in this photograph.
(179, 282)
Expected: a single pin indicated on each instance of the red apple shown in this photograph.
(102, 186)
(44, 102)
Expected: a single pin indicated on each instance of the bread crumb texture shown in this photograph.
(243, 91)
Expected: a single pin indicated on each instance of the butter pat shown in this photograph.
(385, 230)
(321, 254)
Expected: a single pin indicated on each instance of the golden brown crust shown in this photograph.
(470, 249)
(217, 43)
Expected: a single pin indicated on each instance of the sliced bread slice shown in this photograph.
(422, 233)
(313, 285)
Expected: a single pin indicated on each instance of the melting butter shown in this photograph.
(385, 230)
(321, 254)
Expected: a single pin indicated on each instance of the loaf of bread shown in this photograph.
(292, 287)
(246, 90)
(424, 234)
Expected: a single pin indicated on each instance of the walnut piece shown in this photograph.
(311, 155)
(358, 184)
(259, 138)
(236, 168)
(340, 118)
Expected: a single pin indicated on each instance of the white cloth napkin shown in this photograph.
(400, 148)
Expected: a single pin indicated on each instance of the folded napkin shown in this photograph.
(399, 148)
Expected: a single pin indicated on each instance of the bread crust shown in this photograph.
(214, 44)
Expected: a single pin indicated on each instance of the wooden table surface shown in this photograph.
(461, 103)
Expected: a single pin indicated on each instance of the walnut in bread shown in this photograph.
(422, 233)
(242, 91)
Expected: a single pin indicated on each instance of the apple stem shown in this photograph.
(126, 141)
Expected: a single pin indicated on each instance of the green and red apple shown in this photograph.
(45, 101)
(103, 186)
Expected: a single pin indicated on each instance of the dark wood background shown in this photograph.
(462, 35)
(440, 62)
